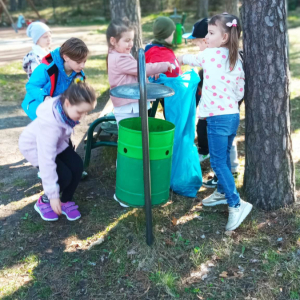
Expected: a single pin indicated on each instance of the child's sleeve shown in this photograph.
(128, 65)
(47, 139)
(35, 87)
(155, 68)
(240, 88)
(192, 60)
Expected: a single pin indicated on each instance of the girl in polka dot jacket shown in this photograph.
(223, 87)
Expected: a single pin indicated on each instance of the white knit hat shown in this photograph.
(36, 29)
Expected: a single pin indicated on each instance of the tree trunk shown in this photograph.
(13, 5)
(205, 8)
(20, 4)
(131, 10)
(202, 9)
(199, 9)
(232, 7)
(269, 180)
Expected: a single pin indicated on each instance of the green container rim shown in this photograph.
(124, 121)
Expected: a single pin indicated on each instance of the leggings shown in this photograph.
(69, 170)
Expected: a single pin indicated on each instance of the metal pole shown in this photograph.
(145, 143)
(10, 18)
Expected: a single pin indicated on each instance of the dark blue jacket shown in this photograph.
(39, 84)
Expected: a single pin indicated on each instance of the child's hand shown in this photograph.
(56, 205)
(180, 59)
(156, 76)
(170, 68)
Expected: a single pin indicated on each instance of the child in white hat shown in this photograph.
(41, 37)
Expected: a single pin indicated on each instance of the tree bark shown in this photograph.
(269, 180)
(13, 5)
(202, 9)
(131, 10)
(232, 7)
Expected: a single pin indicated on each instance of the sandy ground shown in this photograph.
(13, 46)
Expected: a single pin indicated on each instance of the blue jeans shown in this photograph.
(221, 131)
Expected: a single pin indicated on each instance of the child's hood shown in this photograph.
(57, 59)
(47, 112)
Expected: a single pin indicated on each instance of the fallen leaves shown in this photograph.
(229, 233)
(174, 221)
(169, 242)
(202, 272)
(231, 274)
(98, 242)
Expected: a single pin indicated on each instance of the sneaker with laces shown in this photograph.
(212, 183)
(70, 210)
(237, 215)
(122, 204)
(203, 157)
(214, 199)
(45, 210)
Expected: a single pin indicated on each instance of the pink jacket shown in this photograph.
(42, 140)
(122, 69)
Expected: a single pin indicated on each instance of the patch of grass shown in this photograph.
(294, 18)
(45, 292)
(5, 196)
(31, 227)
(166, 280)
(198, 255)
(12, 82)
(20, 183)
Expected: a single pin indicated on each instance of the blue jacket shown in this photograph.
(39, 84)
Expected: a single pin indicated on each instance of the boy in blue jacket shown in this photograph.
(54, 75)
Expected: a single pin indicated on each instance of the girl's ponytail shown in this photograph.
(233, 46)
(230, 25)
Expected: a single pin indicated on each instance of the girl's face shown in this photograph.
(76, 112)
(45, 40)
(201, 43)
(125, 43)
(215, 37)
(72, 65)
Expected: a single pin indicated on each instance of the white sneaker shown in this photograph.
(214, 199)
(238, 215)
(122, 204)
(203, 157)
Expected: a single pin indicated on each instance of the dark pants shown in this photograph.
(202, 137)
(201, 131)
(69, 170)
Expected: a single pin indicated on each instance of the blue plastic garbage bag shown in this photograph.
(180, 109)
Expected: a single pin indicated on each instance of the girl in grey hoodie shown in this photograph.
(45, 143)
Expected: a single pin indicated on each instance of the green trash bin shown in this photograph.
(177, 40)
(130, 182)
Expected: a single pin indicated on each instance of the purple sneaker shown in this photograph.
(69, 209)
(45, 210)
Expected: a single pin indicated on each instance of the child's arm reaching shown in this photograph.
(128, 65)
(190, 59)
